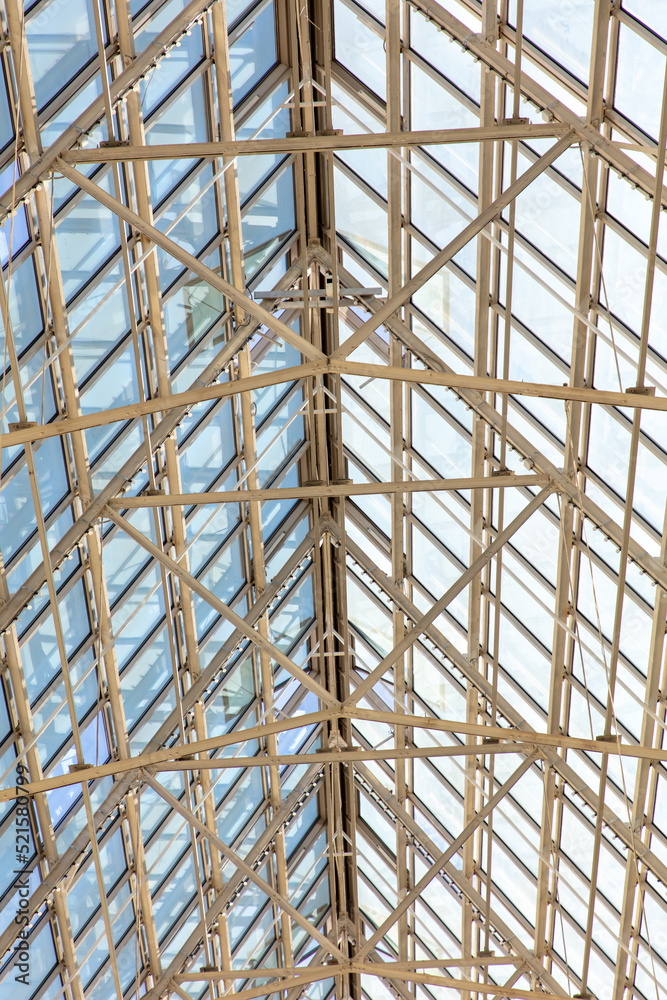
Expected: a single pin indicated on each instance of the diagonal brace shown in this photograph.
(188, 260)
(424, 623)
(395, 302)
(243, 867)
(239, 623)
(438, 864)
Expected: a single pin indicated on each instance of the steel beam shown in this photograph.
(312, 143)
(510, 740)
(452, 380)
(347, 489)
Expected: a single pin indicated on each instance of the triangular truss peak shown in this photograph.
(333, 585)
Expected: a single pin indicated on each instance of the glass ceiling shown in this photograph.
(333, 503)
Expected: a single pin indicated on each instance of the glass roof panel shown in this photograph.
(333, 499)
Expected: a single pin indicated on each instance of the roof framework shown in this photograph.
(333, 529)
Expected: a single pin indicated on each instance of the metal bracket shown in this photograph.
(641, 390)
(22, 425)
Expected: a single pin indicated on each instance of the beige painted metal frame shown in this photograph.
(360, 691)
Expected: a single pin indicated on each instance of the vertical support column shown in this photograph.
(266, 668)
(407, 771)
(641, 811)
(235, 243)
(175, 520)
(24, 720)
(227, 133)
(633, 871)
(66, 371)
(482, 302)
(395, 273)
(549, 833)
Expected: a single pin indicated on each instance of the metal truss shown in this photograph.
(333, 590)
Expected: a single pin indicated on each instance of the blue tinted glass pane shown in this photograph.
(208, 452)
(190, 311)
(540, 310)
(123, 558)
(447, 451)
(42, 961)
(208, 529)
(252, 170)
(92, 338)
(361, 221)
(116, 386)
(61, 39)
(87, 235)
(24, 310)
(13, 231)
(63, 188)
(436, 218)
(145, 678)
(359, 48)
(51, 475)
(197, 227)
(182, 120)
(8, 843)
(253, 54)
(371, 164)
(57, 730)
(639, 67)
(4, 717)
(273, 514)
(293, 616)
(169, 71)
(234, 693)
(548, 216)
(40, 658)
(37, 389)
(272, 453)
(625, 277)
(224, 578)
(562, 30)
(6, 125)
(446, 300)
(239, 805)
(235, 8)
(267, 222)
(654, 15)
(94, 949)
(281, 355)
(434, 107)
(52, 481)
(456, 65)
(138, 615)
